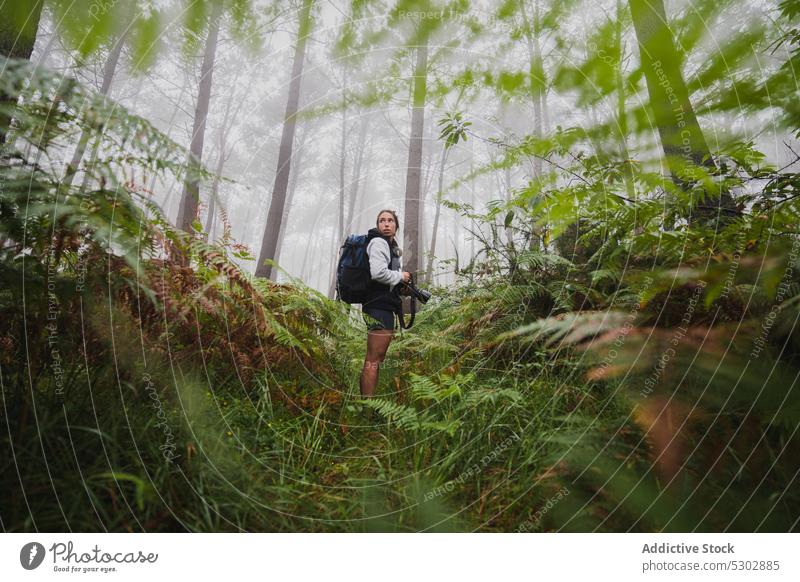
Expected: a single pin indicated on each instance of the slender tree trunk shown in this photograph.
(682, 139)
(356, 181)
(212, 199)
(109, 70)
(361, 190)
(538, 87)
(296, 169)
(343, 163)
(339, 232)
(472, 199)
(432, 251)
(622, 118)
(425, 187)
(97, 142)
(411, 252)
(509, 229)
(41, 58)
(19, 24)
(537, 83)
(93, 158)
(269, 243)
(190, 199)
(221, 157)
(303, 272)
(506, 188)
(228, 122)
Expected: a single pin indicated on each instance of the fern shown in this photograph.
(424, 389)
(403, 416)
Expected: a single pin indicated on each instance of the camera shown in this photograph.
(420, 294)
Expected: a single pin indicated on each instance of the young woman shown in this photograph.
(383, 298)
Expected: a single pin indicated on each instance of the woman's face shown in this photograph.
(386, 224)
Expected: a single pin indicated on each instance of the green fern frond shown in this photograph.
(424, 389)
(403, 416)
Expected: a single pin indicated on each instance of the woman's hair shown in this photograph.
(393, 213)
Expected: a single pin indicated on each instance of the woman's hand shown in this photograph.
(406, 276)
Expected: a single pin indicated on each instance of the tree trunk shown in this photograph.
(269, 243)
(509, 229)
(296, 169)
(472, 199)
(339, 232)
(221, 157)
(432, 250)
(361, 190)
(356, 180)
(303, 274)
(536, 79)
(190, 199)
(41, 58)
(506, 187)
(212, 199)
(19, 24)
(622, 119)
(343, 163)
(425, 187)
(228, 121)
(682, 139)
(538, 86)
(98, 141)
(154, 177)
(109, 70)
(412, 202)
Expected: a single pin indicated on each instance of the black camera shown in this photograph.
(420, 294)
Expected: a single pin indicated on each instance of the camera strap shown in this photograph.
(413, 313)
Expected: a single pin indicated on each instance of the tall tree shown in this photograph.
(54, 34)
(343, 161)
(355, 182)
(434, 232)
(411, 235)
(269, 242)
(109, 70)
(536, 77)
(297, 167)
(19, 24)
(682, 140)
(224, 152)
(190, 199)
(621, 115)
(338, 237)
(222, 157)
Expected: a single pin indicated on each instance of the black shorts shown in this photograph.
(378, 318)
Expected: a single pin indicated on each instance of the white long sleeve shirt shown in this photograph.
(379, 253)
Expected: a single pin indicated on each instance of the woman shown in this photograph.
(383, 298)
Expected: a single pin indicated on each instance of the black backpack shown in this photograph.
(352, 273)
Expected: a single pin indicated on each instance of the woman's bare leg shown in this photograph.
(377, 343)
